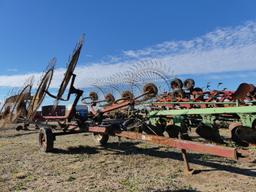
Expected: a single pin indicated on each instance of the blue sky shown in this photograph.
(119, 33)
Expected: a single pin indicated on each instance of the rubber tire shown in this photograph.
(47, 144)
(173, 131)
(254, 124)
(100, 139)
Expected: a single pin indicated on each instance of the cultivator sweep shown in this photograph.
(146, 103)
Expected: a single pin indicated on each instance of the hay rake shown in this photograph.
(147, 115)
(144, 103)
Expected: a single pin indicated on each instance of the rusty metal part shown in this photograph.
(93, 96)
(127, 95)
(176, 84)
(40, 93)
(221, 151)
(20, 106)
(6, 107)
(97, 129)
(15, 106)
(5, 115)
(116, 106)
(150, 90)
(12, 99)
(110, 98)
(128, 98)
(211, 149)
(243, 90)
(183, 145)
(70, 69)
(187, 169)
(189, 84)
(178, 94)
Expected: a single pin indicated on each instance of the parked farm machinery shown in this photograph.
(144, 103)
(20, 108)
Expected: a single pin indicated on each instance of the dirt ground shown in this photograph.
(77, 164)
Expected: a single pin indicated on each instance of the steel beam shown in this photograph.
(211, 149)
(203, 148)
(116, 106)
(97, 129)
(204, 111)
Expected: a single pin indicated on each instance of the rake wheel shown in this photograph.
(20, 105)
(178, 93)
(189, 84)
(110, 98)
(70, 70)
(94, 96)
(243, 91)
(5, 111)
(176, 84)
(127, 95)
(40, 93)
(150, 90)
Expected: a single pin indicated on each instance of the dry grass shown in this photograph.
(77, 164)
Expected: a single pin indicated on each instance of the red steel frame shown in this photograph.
(183, 145)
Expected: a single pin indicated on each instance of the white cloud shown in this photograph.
(223, 50)
(12, 70)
